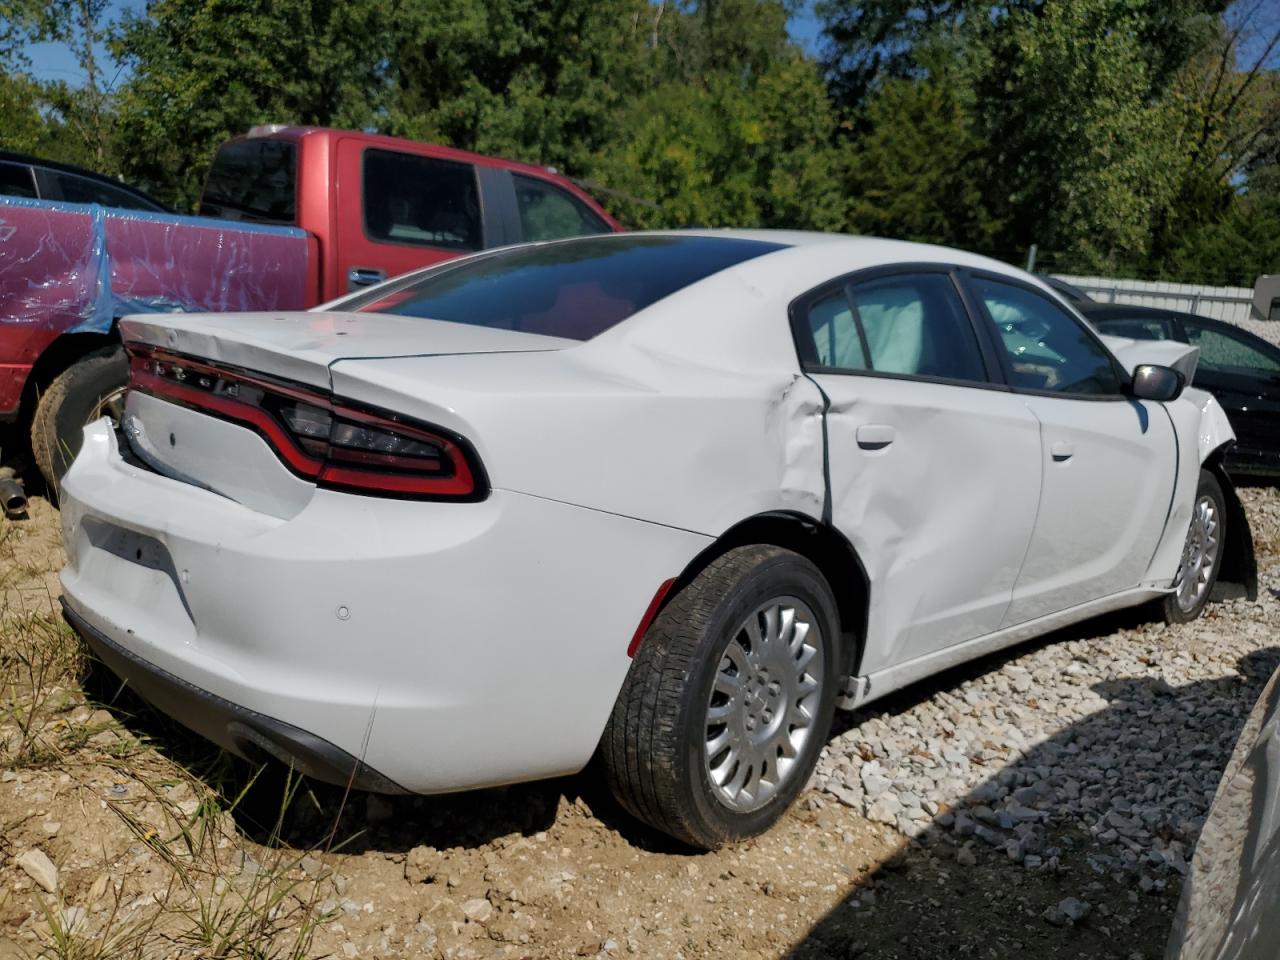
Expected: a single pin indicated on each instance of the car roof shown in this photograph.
(1126, 311)
(835, 254)
(7, 156)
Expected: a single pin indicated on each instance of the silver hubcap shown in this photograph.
(1199, 555)
(764, 703)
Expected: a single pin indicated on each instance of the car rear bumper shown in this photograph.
(446, 646)
(232, 727)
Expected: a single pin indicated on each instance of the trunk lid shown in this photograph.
(301, 345)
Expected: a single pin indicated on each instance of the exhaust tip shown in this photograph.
(14, 498)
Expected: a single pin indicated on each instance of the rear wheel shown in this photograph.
(1201, 553)
(90, 388)
(729, 699)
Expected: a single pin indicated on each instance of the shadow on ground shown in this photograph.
(323, 816)
(931, 900)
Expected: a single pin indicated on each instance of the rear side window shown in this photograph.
(1226, 353)
(1047, 348)
(574, 289)
(83, 190)
(1137, 328)
(253, 179)
(424, 201)
(549, 213)
(909, 325)
(16, 181)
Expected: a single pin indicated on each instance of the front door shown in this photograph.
(1108, 461)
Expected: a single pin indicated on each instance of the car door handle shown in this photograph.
(359, 277)
(875, 436)
(1061, 451)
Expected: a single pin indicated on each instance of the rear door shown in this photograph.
(1243, 372)
(934, 468)
(399, 210)
(1108, 462)
(546, 211)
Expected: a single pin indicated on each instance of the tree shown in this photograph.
(539, 81)
(735, 128)
(919, 171)
(205, 70)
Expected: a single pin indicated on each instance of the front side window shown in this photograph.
(1048, 350)
(424, 201)
(549, 213)
(1224, 353)
(253, 179)
(575, 289)
(909, 325)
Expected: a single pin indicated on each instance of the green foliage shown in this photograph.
(1118, 135)
(205, 70)
(725, 153)
(919, 171)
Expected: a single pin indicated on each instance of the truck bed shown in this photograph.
(76, 268)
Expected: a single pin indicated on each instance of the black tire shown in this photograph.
(1209, 491)
(654, 744)
(74, 398)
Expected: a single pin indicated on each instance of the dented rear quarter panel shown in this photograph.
(700, 435)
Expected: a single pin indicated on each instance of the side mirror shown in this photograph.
(1152, 382)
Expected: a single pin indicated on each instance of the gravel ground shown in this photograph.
(1045, 800)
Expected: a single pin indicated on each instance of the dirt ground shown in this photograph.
(123, 836)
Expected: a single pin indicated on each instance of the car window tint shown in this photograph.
(1048, 349)
(549, 213)
(913, 325)
(254, 179)
(1136, 328)
(835, 333)
(1224, 352)
(16, 180)
(575, 288)
(421, 200)
(83, 190)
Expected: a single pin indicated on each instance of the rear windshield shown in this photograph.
(254, 179)
(574, 289)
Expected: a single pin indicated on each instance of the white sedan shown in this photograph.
(673, 497)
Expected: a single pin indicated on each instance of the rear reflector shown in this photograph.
(331, 442)
(647, 620)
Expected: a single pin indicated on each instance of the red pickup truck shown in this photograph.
(290, 217)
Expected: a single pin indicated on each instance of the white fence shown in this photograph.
(1233, 304)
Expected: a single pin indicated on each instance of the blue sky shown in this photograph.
(52, 61)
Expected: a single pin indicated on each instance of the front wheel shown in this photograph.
(1201, 553)
(729, 700)
(90, 388)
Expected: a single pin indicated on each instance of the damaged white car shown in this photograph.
(673, 497)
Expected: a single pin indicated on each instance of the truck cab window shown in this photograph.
(423, 201)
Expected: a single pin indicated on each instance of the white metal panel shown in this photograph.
(1108, 480)
(941, 515)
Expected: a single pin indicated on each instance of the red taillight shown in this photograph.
(320, 438)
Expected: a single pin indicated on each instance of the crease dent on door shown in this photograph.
(797, 419)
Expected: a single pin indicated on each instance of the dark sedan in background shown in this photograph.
(1240, 369)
